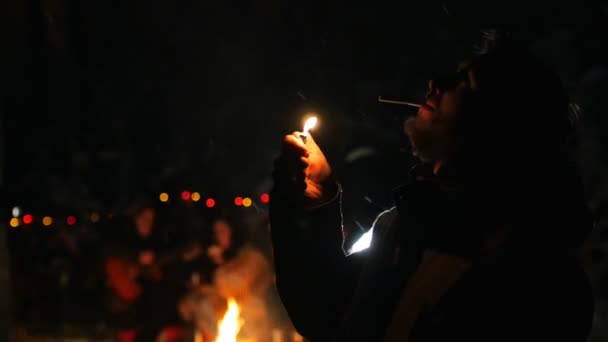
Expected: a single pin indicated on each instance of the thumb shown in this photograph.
(310, 143)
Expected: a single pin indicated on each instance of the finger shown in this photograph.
(291, 163)
(309, 140)
(293, 144)
(289, 171)
(288, 176)
(289, 179)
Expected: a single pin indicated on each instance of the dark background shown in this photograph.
(107, 100)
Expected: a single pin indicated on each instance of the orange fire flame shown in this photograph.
(230, 325)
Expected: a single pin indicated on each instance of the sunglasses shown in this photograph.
(451, 80)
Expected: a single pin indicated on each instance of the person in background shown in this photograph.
(143, 296)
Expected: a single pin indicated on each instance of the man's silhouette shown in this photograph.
(481, 243)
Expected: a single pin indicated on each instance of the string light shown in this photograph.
(47, 221)
(95, 217)
(186, 195)
(28, 219)
(195, 197)
(71, 220)
(247, 202)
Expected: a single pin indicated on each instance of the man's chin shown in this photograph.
(422, 145)
(420, 155)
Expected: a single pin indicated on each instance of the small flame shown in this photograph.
(230, 325)
(309, 124)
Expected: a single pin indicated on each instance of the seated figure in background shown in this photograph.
(136, 264)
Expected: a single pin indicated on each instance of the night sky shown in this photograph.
(105, 100)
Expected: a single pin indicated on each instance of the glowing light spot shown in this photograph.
(16, 211)
(14, 222)
(247, 202)
(164, 197)
(310, 123)
(210, 203)
(28, 219)
(195, 197)
(238, 201)
(95, 217)
(71, 220)
(47, 221)
(230, 325)
(186, 195)
(265, 198)
(363, 242)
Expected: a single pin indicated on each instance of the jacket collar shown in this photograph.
(450, 178)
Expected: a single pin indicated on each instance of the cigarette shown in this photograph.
(380, 99)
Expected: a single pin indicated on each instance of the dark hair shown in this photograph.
(522, 127)
(238, 233)
(522, 105)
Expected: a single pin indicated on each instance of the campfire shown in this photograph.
(230, 325)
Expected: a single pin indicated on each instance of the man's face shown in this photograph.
(433, 131)
(223, 233)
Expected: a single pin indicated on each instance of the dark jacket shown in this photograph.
(442, 265)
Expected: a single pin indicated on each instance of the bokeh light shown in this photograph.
(186, 195)
(95, 217)
(210, 203)
(265, 198)
(195, 197)
(71, 220)
(16, 211)
(47, 221)
(164, 197)
(247, 202)
(28, 219)
(238, 201)
(14, 222)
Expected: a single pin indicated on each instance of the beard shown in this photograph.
(431, 140)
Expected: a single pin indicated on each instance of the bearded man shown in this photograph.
(482, 241)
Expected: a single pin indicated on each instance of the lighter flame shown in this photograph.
(230, 325)
(309, 124)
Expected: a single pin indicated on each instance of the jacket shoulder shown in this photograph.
(384, 221)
